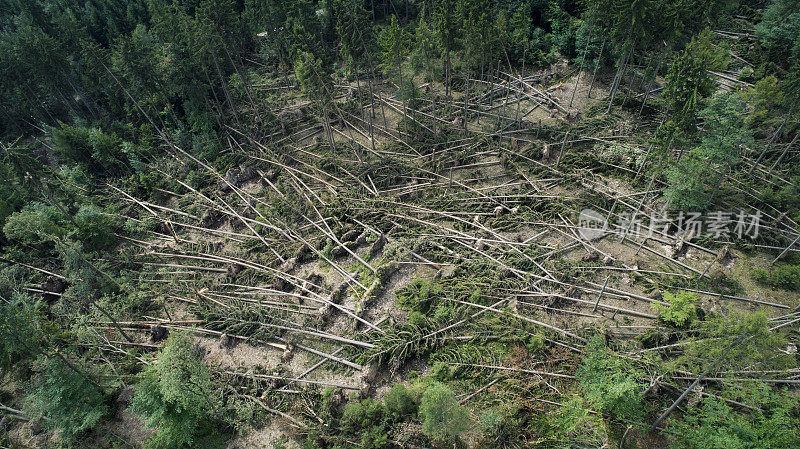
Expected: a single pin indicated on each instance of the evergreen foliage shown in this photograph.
(688, 81)
(714, 425)
(19, 327)
(442, 416)
(176, 396)
(682, 309)
(779, 32)
(399, 402)
(610, 383)
(118, 119)
(734, 342)
(65, 399)
(696, 177)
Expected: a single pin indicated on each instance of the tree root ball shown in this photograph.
(211, 219)
(378, 246)
(350, 235)
(288, 353)
(237, 176)
(369, 374)
(338, 292)
(158, 333)
(591, 257)
(546, 152)
(325, 312)
(233, 270)
(227, 342)
(365, 390)
(301, 253)
(655, 294)
(52, 285)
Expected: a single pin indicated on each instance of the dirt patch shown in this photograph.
(241, 356)
(264, 438)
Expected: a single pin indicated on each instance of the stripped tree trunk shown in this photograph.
(617, 80)
(597, 66)
(785, 150)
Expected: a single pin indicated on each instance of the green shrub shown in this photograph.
(490, 420)
(374, 438)
(440, 371)
(682, 309)
(418, 386)
(737, 341)
(714, 425)
(501, 427)
(417, 319)
(535, 343)
(609, 382)
(20, 337)
(10, 197)
(442, 416)
(362, 415)
(760, 275)
(575, 422)
(35, 224)
(67, 400)
(419, 295)
(176, 396)
(100, 153)
(95, 229)
(399, 402)
(443, 313)
(366, 418)
(786, 276)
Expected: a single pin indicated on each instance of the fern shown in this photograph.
(682, 309)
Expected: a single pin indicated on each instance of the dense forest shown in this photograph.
(399, 223)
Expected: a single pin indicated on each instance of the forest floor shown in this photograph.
(381, 219)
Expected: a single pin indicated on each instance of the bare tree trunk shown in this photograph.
(597, 66)
(521, 76)
(224, 86)
(633, 80)
(213, 91)
(650, 83)
(245, 83)
(785, 150)
(617, 80)
(328, 130)
(447, 72)
(371, 114)
(466, 98)
(771, 140)
(716, 186)
(580, 71)
(497, 125)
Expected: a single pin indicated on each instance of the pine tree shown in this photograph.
(67, 399)
(176, 396)
(693, 180)
(442, 416)
(393, 43)
(688, 81)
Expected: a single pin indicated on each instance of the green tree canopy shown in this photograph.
(442, 416)
(176, 396)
